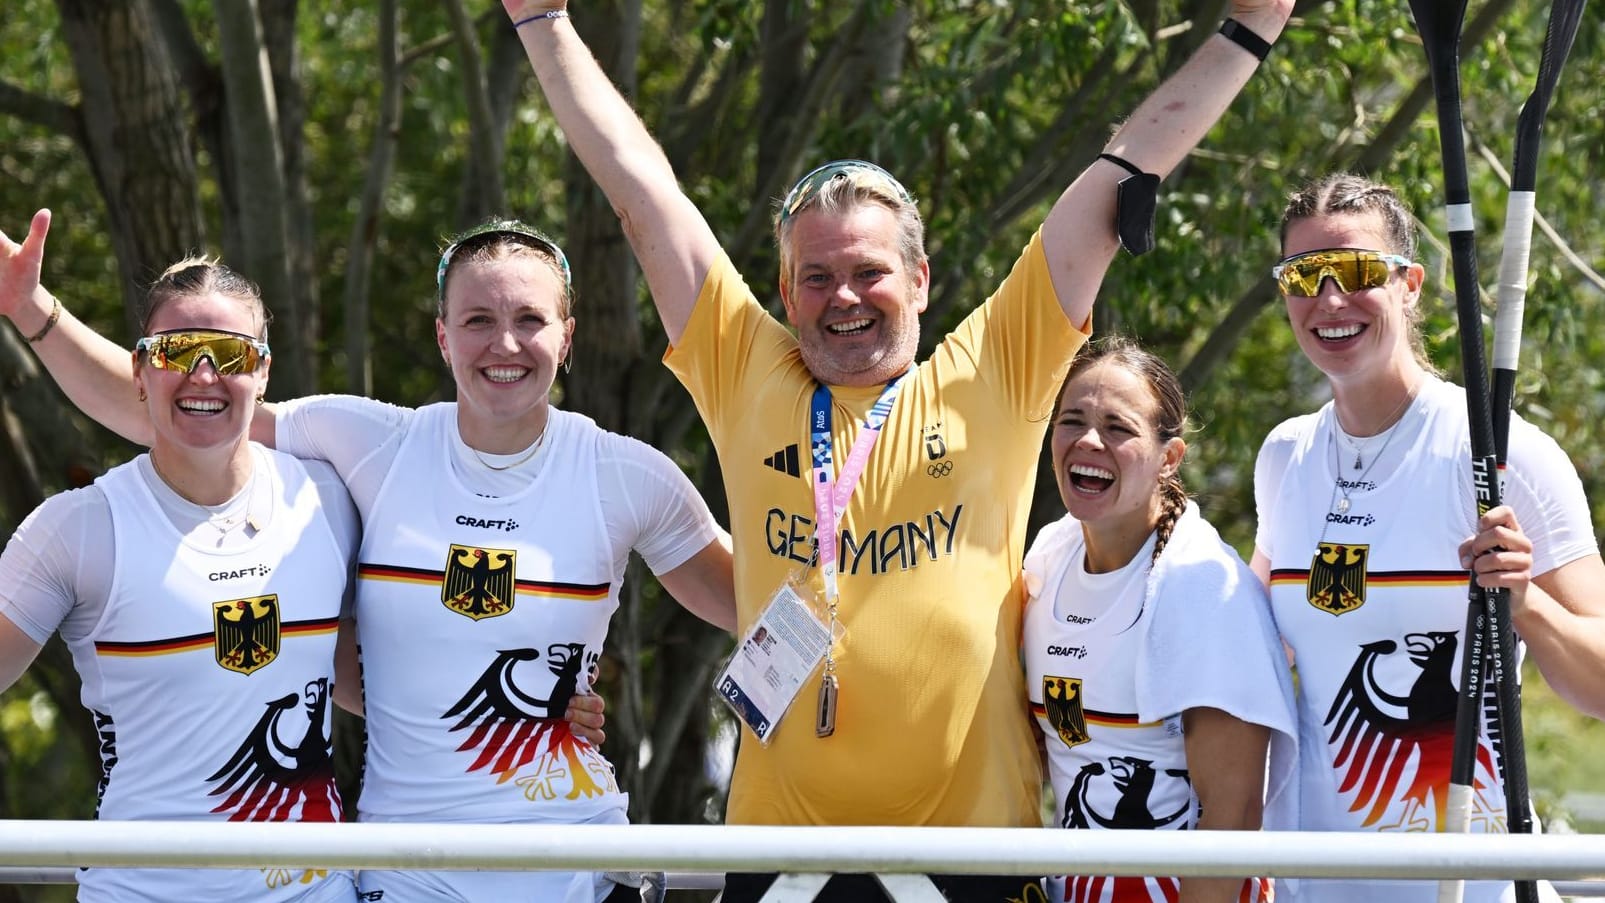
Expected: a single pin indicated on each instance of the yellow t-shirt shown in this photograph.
(932, 724)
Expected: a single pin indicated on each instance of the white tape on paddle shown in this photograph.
(1520, 211)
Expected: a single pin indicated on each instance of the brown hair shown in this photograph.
(1343, 193)
(1170, 419)
(195, 276)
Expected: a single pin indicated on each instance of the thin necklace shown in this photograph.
(222, 523)
(1358, 443)
(1345, 487)
(521, 458)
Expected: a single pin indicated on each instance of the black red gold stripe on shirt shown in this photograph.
(1404, 579)
(547, 589)
(1106, 719)
(316, 627)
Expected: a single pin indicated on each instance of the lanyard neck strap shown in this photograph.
(831, 495)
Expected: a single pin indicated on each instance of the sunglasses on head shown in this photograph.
(181, 350)
(859, 173)
(508, 227)
(1353, 269)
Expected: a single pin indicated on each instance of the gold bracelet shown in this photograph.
(50, 321)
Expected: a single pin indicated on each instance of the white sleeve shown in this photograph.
(47, 582)
(343, 521)
(358, 436)
(1541, 485)
(1270, 468)
(649, 505)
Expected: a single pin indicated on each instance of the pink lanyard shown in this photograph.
(830, 497)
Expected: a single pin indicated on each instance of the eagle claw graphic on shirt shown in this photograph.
(509, 727)
(271, 779)
(1390, 747)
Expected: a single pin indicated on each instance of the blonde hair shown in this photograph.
(200, 275)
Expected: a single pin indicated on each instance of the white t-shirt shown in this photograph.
(1372, 601)
(205, 642)
(483, 602)
(648, 504)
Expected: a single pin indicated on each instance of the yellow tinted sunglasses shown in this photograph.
(181, 350)
(1353, 269)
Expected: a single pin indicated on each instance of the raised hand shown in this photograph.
(519, 10)
(19, 271)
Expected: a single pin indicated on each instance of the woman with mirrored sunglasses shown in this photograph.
(1367, 528)
(200, 589)
(483, 601)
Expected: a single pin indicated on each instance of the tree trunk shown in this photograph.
(608, 344)
(261, 191)
(483, 193)
(137, 136)
(284, 63)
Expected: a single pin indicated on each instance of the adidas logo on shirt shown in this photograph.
(784, 460)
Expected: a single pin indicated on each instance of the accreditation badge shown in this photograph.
(774, 658)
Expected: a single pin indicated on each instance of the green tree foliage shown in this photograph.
(986, 108)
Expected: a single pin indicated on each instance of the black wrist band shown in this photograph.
(1244, 37)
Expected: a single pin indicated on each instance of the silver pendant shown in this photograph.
(825, 724)
(1342, 506)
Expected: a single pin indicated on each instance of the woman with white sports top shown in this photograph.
(496, 533)
(1365, 509)
(1151, 658)
(199, 588)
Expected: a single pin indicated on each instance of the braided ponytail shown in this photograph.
(1174, 500)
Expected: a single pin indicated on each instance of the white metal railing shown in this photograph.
(709, 848)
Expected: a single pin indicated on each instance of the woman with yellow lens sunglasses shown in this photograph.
(500, 528)
(200, 589)
(1365, 509)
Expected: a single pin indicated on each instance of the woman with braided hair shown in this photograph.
(1151, 658)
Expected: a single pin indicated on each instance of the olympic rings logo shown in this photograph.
(940, 470)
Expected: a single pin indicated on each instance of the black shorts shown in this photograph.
(749, 888)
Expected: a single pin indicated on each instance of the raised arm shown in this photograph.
(92, 370)
(1079, 235)
(671, 239)
(96, 373)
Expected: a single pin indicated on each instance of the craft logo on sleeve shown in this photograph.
(1061, 700)
(245, 633)
(1337, 577)
(479, 583)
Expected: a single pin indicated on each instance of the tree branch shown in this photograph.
(364, 239)
(1576, 260)
(484, 195)
(802, 121)
(59, 117)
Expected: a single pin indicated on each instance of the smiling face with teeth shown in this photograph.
(1355, 338)
(503, 332)
(1110, 460)
(200, 410)
(852, 297)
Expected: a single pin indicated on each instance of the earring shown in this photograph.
(259, 398)
(568, 362)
